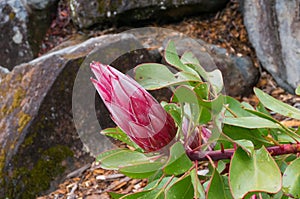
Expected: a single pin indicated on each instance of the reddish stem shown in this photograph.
(227, 153)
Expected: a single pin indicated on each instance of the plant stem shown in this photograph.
(227, 153)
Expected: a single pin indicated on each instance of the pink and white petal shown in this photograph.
(103, 92)
(138, 131)
(121, 117)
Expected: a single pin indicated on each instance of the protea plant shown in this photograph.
(133, 109)
(195, 137)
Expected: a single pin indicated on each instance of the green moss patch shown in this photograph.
(28, 183)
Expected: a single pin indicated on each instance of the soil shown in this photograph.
(224, 28)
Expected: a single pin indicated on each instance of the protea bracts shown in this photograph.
(133, 109)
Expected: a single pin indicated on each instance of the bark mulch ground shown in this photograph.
(224, 28)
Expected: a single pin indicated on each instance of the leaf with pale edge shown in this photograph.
(291, 179)
(276, 105)
(258, 173)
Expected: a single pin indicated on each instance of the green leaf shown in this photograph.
(260, 107)
(155, 194)
(154, 190)
(157, 188)
(275, 134)
(178, 161)
(236, 108)
(136, 195)
(174, 110)
(246, 145)
(221, 166)
(257, 173)
(181, 189)
(194, 63)
(246, 105)
(276, 105)
(280, 195)
(251, 122)
(216, 80)
(297, 91)
(173, 59)
(262, 115)
(158, 184)
(239, 133)
(202, 90)
(154, 76)
(291, 179)
(205, 116)
(184, 95)
(121, 158)
(107, 153)
(118, 134)
(218, 187)
(141, 170)
(198, 188)
(189, 58)
(215, 105)
(115, 195)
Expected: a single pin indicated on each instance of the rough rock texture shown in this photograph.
(274, 31)
(86, 14)
(39, 105)
(23, 25)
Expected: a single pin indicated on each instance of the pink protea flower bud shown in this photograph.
(133, 109)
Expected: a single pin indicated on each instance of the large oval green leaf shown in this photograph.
(154, 76)
(276, 105)
(257, 173)
(291, 179)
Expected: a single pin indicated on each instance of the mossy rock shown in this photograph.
(37, 179)
(37, 128)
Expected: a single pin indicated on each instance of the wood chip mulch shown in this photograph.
(225, 29)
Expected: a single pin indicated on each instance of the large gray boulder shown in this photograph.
(274, 31)
(129, 12)
(23, 25)
(39, 143)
